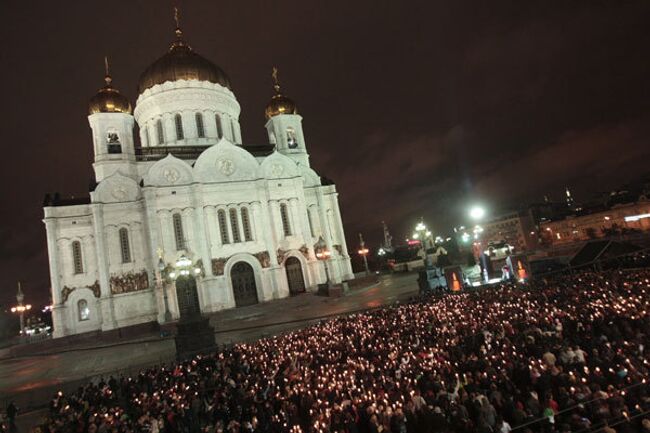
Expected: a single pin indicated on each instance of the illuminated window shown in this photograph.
(178, 232)
(245, 220)
(284, 215)
(159, 132)
(76, 258)
(219, 126)
(199, 125)
(292, 141)
(223, 227)
(178, 120)
(234, 225)
(84, 311)
(124, 245)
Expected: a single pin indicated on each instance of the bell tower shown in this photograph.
(284, 125)
(111, 121)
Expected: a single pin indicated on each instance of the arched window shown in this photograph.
(77, 258)
(284, 215)
(311, 223)
(223, 227)
(217, 118)
(199, 125)
(178, 120)
(234, 225)
(125, 248)
(83, 310)
(145, 136)
(159, 132)
(179, 237)
(292, 141)
(246, 222)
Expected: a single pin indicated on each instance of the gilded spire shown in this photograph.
(107, 77)
(276, 82)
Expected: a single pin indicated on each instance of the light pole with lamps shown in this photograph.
(323, 254)
(21, 308)
(422, 234)
(363, 252)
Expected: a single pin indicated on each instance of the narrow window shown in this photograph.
(234, 225)
(311, 223)
(232, 127)
(223, 228)
(178, 232)
(125, 248)
(199, 125)
(284, 215)
(84, 311)
(292, 141)
(178, 120)
(159, 132)
(245, 220)
(219, 126)
(76, 258)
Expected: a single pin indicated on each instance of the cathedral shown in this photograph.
(242, 223)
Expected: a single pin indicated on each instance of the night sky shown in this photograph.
(414, 109)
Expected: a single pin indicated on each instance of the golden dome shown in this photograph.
(108, 99)
(279, 104)
(181, 63)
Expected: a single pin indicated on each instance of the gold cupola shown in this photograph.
(108, 99)
(181, 63)
(279, 104)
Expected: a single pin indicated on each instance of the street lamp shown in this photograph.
(423, 235)
(21, 308)
(322, 253)
(161, 284)
(363, 252)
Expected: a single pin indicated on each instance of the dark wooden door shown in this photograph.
(188, 296)
(294, 276)
(243, 284)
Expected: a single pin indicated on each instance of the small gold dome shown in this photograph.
(279, 104)
(109, 100)
(181, 63)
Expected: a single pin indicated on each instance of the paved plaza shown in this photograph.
(30, 380)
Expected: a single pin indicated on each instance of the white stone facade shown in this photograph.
(234, 205)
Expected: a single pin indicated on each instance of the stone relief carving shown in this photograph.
(281, 253)
(339, 249)
(66, 291)
(119, 192)
(304, 250)
(218, 265)
(277, 170)
(129, 282)
(171, 174)
(226, 166)
(264, 258)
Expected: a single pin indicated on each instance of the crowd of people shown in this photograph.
(558, 355)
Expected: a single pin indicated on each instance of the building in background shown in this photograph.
(247, 218)
(516, 229)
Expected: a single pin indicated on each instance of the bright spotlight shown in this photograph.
(477, 212)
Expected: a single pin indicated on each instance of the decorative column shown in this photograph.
(152, 234)
(58, 321)
(106, 299)
(324, 223)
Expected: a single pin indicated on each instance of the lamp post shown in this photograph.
(423, 235)
(363, 252)
(322, 253)
(21, 308)
(161, 284)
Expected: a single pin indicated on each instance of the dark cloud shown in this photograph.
(413, 108)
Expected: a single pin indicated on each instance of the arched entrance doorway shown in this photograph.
(188, 297)
(294, 276)
(243, 284)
